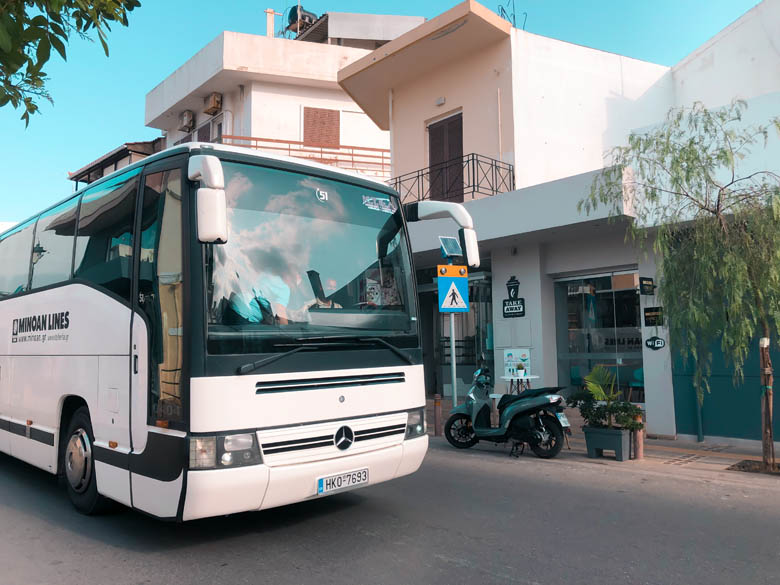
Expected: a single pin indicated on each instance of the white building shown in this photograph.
(477, 108)
(278, 94)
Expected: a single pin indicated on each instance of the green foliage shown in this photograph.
(713, 223)
(30, 29)
(600, 403)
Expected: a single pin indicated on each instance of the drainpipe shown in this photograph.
(390, 125)
(699, 426)
(500, 137)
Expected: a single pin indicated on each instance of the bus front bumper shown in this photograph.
(218, 492)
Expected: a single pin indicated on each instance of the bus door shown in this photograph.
(157, 344)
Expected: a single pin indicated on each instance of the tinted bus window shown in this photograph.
(15, 249)
(104, 245)
(53, 248)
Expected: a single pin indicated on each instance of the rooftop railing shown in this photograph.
(456, 180)
(363, 159)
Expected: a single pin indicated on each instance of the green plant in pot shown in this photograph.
(609, 420)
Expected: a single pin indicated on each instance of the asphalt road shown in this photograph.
(466, 517)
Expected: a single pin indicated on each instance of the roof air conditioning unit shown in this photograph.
(212, 104)
(186, 121)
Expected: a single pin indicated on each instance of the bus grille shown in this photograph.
(336, 382)
(327, 440)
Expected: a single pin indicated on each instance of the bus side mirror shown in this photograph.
(469, 245)
(422, 210)
(211, 200)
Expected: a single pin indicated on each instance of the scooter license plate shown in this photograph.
(562, 419)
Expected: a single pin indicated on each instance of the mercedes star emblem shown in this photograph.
(343, 438)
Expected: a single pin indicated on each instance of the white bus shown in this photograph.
(212, 331)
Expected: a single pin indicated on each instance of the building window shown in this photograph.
(321, 127)
(204, 133)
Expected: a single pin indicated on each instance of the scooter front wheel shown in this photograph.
(459, 432)
(552, 441)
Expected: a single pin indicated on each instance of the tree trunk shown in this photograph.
(767, 381)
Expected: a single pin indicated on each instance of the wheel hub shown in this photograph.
(78, 461)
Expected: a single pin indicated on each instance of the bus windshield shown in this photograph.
(306, 257)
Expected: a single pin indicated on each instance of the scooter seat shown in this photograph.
(508, 399)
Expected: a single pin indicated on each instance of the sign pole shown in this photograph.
(453, 366)
(453, 285)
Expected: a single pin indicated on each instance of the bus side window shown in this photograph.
(104, 244)
(160, 285)
(15, 250)
(53, 247)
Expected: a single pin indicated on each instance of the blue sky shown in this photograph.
(99, 101)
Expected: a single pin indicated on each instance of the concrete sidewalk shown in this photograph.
(670, 456)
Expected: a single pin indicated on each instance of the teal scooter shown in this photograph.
(534, 417)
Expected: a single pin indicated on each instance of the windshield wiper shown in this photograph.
(252, 366)
(314, 343)
(339, 339)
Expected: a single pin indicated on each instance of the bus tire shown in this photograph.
(78, 464)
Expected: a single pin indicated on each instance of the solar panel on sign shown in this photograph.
(450, 247)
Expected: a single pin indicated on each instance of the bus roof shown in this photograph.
(201, 146)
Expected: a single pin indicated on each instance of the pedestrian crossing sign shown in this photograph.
(453, 289)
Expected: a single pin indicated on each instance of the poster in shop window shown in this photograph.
(517, 362)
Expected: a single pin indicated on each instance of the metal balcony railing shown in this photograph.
(363, 159)
(456, 180)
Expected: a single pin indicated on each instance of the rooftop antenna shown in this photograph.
(507, 12)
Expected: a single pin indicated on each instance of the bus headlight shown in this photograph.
(224, 451)
(415, 424)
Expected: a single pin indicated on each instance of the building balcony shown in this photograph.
(370, 161)
(470, 177)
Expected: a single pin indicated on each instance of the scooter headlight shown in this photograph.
(415, 424)
(554, 398)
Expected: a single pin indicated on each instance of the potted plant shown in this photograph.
(608, 419)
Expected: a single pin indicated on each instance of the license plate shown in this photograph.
(342, 481)
(562, 419)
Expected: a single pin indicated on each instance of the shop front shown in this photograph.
(598, 324)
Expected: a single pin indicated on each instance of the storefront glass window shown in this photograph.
(598, 324)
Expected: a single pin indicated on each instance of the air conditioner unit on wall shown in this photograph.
(186, 121)
(212, 104)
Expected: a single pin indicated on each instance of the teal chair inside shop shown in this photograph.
(638, 379)
(575, 374)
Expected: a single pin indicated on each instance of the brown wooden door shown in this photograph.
(445, 154)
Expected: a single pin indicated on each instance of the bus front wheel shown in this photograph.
(78, 464)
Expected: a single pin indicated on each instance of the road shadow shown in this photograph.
(33, 493)
(502, 450)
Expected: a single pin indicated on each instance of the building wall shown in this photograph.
(730, 409)
(265, 84)
(479, 87)
(277, 112)
(573, 103)
(741, 62)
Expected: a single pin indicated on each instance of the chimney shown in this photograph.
(269, 22)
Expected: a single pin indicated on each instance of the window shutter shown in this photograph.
(321, 127)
